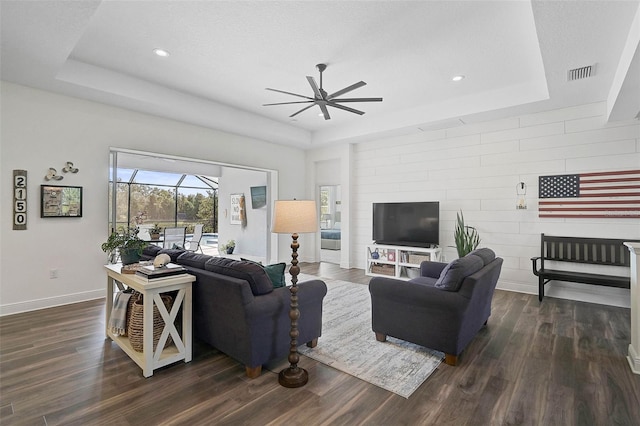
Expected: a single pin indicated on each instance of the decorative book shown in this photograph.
(151, 272)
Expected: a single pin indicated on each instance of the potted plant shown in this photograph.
(124, 241)
(228, 247)
(466, 237)
(155, 231)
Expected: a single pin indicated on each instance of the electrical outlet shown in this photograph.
(53, 273)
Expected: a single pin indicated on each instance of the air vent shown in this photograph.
(580, 73)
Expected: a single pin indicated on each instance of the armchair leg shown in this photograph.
(451, 359)
(253, 372)
(313, 343)
(380, 337)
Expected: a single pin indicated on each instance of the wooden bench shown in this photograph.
(593, 251)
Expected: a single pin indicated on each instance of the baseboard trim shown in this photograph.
(50, 302)
(601, 295)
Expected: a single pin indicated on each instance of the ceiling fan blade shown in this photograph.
(303, 109)
(314, 86)
(355, 111)
(357, 100)
(287, 103)
(325, 111)
(346, 89)
(289, 93)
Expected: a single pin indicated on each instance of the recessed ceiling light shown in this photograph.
(458, 78)
(161, 52)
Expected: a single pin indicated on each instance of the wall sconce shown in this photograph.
(521, 192)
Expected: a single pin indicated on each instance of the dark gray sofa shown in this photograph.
(443, 309)
(237, 310)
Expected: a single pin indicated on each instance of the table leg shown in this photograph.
(147, 331)
(109, 306)
(186, 324)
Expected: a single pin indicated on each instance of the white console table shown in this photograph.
(151, 290)
(399, 262)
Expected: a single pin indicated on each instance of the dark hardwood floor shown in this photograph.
(556, 363)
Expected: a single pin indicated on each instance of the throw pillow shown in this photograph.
(455, 272)
(275, 272)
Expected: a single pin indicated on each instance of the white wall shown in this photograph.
(475, 168)
(251, 240)
(39, 130)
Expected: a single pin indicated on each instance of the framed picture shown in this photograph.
(237, 216)
(60, 201)
(258, 196)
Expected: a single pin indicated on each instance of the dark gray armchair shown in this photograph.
(443, 309)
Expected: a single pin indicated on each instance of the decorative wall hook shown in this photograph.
(69, 168)
(521, 192)
(52, 174)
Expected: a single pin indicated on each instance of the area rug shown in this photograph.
(349, 345)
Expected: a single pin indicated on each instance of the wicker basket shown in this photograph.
(134, 296)
(135, 327)
(383, 269)
(417, 259)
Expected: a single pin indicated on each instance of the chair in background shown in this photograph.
(143, 232)
(194, 244)
(174, 237)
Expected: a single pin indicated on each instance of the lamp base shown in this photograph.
(293, 377)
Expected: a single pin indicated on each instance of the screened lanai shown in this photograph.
(148, 194)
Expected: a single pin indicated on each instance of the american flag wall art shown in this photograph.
(590, 195)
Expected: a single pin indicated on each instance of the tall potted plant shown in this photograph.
(124, 241)
(466, 237)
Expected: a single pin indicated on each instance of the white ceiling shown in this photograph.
(515, 56)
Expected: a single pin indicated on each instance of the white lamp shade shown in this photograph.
(294, 217)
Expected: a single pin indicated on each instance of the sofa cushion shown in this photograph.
(486, 254)
(428, 281)
(455, 272)
(151, 251)
(252, 272)
(173, 253)
(194, 260)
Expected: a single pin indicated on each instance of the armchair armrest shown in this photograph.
(431, 269)
(405, 293)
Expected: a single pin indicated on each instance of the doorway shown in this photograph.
(330, 223)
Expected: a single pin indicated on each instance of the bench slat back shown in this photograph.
(599, 251)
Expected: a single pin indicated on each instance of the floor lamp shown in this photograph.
(294, 217)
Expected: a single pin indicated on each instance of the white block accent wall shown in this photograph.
(475, 168)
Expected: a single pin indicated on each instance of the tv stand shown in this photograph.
(399, 262)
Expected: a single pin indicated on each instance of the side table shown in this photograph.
(148, 359)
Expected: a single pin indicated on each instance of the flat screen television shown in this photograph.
(414, 224)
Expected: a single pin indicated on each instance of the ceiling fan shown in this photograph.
(322, 99)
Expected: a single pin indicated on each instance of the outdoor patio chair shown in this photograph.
(174, 237)
(194, 244)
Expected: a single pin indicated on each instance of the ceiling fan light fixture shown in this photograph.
(161, 52)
